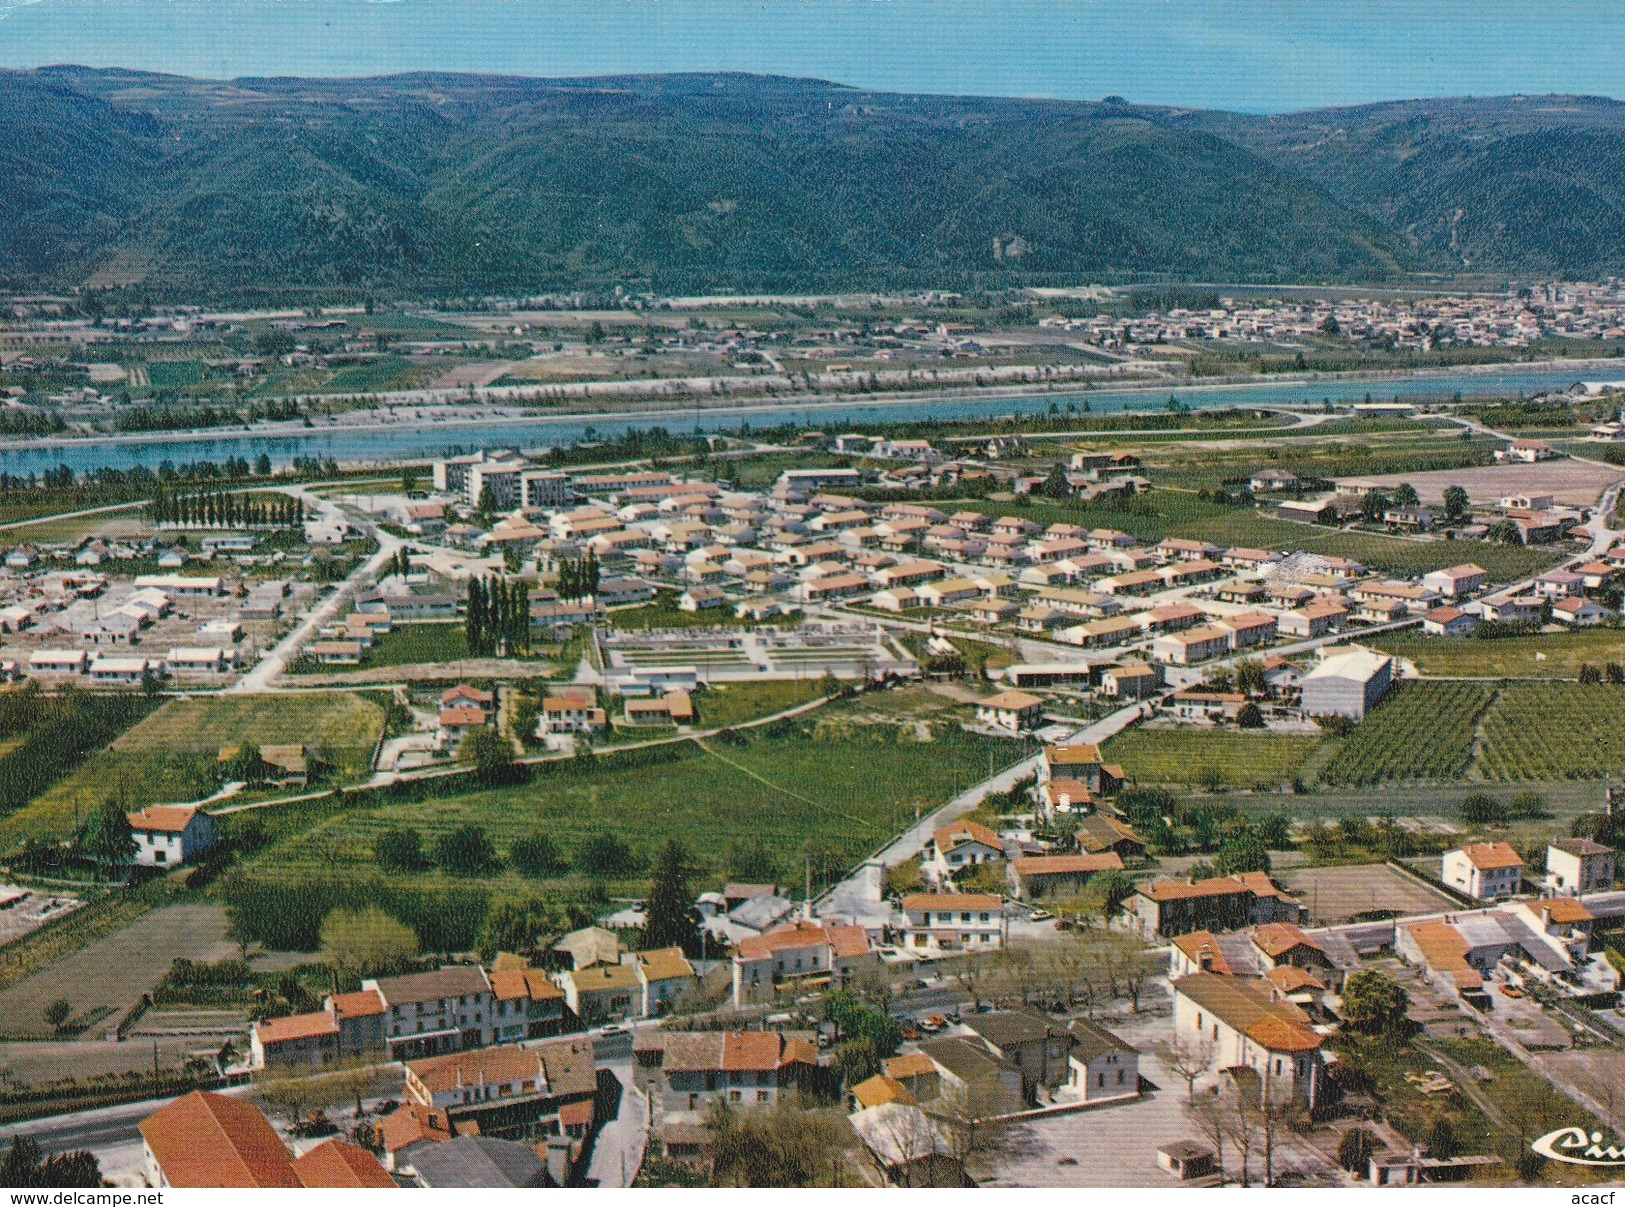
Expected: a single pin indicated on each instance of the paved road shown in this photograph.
(262, 678)
(846, 899)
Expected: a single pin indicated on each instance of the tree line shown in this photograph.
(578, 576)
(223, 509)
(498, 621)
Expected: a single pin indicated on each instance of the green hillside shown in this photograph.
(684, 182)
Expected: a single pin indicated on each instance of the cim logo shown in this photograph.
(1576, 1147)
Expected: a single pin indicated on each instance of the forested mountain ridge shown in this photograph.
(428, 183)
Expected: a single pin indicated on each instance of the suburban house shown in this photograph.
(664, 975)
(1012, 711)
(1456, 581)
(1485, 870)
(1080, 761)
(1578, 865)
(691, 1070)
(1191, 646)
(456, 723)
(527, 1005)
(1246, 1024)
(348, 1026)
(600, 993)
(803, 955)
(571, 710)
(427, 1013)
(953, 921)
(1174, 907)
(167, 836)
(957, 846)
(1100, 1066)
(1029, 1041)
(1449, 622)
(1033, 877)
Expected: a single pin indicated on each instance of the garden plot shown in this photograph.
(1335, 895)
(104, 978)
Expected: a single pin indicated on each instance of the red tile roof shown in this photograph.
(988, 901)
(1489, 855)
(210, 1140)
(357, 1005)
(1055, 865)
(296, 1026)
(163, 819)
(338, 1164)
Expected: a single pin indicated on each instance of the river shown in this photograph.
(404, 440)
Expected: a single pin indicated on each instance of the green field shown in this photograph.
(371, 375)
(835, 782)
(1420, 731)
(171, 755)
(174, 374)
(1217, 757)
(1164, 513)
(724, 704)
(1540, 656)
(1554, 731)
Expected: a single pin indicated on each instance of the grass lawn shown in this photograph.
(662, 612)
(735, 703)
(418, 642)
(171, 755)
(1221, 757)
(1540, 656)
(124, 523)
(836, 782)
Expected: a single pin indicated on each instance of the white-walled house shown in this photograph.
(1100, 1066)
(1485, 870)
(1578, 865)
(1244, 1022)
(167, 836)
(953, 921)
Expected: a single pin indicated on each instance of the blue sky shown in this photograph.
(1254, 55)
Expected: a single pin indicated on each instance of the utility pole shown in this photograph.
(806, 860)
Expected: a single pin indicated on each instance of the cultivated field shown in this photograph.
(1541, 656)
(1338, 894)
(1421, 730)
(836, 782)
(1554, 731)
(1572, 483)
(100, 980)
(1192, 756)
(171, 755)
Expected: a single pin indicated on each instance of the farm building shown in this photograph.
(1347, 684)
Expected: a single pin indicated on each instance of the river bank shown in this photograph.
(385, 434)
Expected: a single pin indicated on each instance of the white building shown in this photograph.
(1485, 870)
(1578, 865)
(953, 921)
(1347, 684)
(167, 836)
(1246, 1023)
